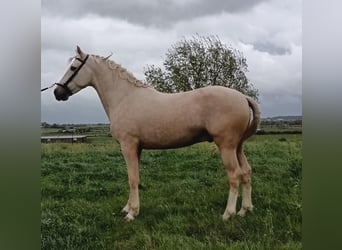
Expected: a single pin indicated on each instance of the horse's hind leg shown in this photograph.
(231, 164)
(246, 182)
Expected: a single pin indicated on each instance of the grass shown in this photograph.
(183, 195)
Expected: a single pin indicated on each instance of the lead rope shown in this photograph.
(47, 87)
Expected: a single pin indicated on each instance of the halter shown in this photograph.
(65, 85)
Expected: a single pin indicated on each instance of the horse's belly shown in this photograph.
(175, 140)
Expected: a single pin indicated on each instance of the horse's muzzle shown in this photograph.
(61, 94)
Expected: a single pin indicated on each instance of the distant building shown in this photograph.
(63, 138)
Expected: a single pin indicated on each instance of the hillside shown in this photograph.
(284, 118)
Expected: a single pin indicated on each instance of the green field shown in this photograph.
(183, 196)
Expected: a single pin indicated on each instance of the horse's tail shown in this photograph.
(253, 126)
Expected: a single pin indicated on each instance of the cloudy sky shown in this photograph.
(139, 32)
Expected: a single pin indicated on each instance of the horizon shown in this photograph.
(108, 123)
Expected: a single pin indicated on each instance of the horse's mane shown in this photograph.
(122, 72)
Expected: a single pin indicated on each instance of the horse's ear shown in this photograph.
(107, 57)
(79, 51)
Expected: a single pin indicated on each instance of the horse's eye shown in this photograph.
(73, 68)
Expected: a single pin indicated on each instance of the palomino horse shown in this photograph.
(143, 118)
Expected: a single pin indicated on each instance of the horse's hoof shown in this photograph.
(125, 210)
(129, 217)
(244, 210)
(227, 215)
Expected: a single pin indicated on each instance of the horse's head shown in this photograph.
(77, 77)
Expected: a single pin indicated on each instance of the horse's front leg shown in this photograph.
(131, 154)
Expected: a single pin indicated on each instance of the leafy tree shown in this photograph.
(199, 62)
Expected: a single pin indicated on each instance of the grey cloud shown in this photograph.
(140, 32)
(280, 104)
(155, 13)
(271, 48)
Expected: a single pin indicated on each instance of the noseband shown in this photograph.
(65, 85)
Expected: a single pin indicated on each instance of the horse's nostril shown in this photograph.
(61, 94)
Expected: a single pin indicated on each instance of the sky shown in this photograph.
(139, 33)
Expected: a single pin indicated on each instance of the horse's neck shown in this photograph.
(111, 88)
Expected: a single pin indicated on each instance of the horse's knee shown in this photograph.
(234, 178)
(247, 175)
(133, 182)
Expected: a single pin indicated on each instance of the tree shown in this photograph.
(199, 62)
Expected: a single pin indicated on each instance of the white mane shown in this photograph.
(121, 71)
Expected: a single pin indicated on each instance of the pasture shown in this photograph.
(183, 195)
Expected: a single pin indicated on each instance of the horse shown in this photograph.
(144, 118)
